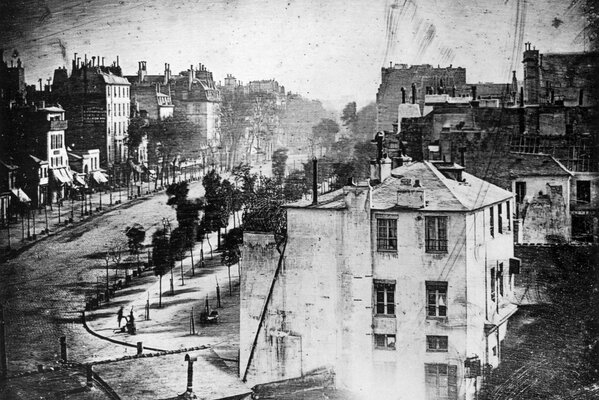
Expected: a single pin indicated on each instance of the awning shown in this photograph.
(20, 195)
(79, 180)
(99, 177)
(61, 176)
(136, 167)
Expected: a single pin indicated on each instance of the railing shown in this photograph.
(58, 125)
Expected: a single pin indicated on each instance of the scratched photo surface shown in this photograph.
(284, 199)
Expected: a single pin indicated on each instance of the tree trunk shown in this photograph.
(160, 293)
(209, 244)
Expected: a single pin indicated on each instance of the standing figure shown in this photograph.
(119, 316)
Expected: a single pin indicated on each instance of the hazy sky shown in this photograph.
(331, 50)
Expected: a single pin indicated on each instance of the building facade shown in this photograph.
(97, 102)
(402, 288)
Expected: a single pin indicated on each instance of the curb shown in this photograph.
(115, 341)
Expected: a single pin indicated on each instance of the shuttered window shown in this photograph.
(441, 381)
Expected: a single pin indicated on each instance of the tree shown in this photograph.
(231, 250)
(349, 117)
(162, 256)
(170, 139)
(325, 132)
(136, 234)
(295, 186)
(279, 164)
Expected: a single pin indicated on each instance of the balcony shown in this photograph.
(57, 125)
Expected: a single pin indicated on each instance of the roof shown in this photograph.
(535, 165)
(51, 109)
(113, 79)
(441, 193)
(37, 160)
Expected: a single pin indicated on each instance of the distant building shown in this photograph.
(402, 288)
(560, 78)
(194, 92)
(150, 94)
(10, 194)
(542, 188)
(12, 81)
(426, 85)
(97, 102)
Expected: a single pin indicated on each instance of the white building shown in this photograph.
(402, 288)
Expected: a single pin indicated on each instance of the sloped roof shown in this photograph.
(113, 79)
(520, 165)
(441, 193)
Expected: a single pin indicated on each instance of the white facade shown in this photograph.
(118, 109)
(396, 287)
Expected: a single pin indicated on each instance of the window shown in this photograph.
(441, 381)
(491, 222)
(583, 191)
(436, 343)
(59, 141)
(386, 239)
(436, 299)
(108, 89)
(384, 341)
(509, 216)
(499, 218)
(493, 284)
(436, 234)
(520, 192)
(385, 298)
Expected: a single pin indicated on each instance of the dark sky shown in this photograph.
(327, 49)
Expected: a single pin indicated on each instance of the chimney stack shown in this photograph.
(473, 92)
(413, 93)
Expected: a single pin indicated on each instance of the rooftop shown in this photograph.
(535, 165)
(442, 193)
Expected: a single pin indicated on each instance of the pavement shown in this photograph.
(171, 328)
(44, 288)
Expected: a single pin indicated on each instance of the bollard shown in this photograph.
(147, 309)
(190, 360)
(89, 375)
(63, 348)
(140, 348)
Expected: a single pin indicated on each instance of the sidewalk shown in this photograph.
(170, 328)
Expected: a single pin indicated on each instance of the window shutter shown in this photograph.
(452, 382)
(514, 266)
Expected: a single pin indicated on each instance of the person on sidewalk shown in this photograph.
(119, 316)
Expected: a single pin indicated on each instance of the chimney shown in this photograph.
(40, 81)
(314, 181)
(102, 61)
(403, 95)
(413, 93)
(190, 78)
(117, 61)
(522, 97)
(93, 61)
(473, 92)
